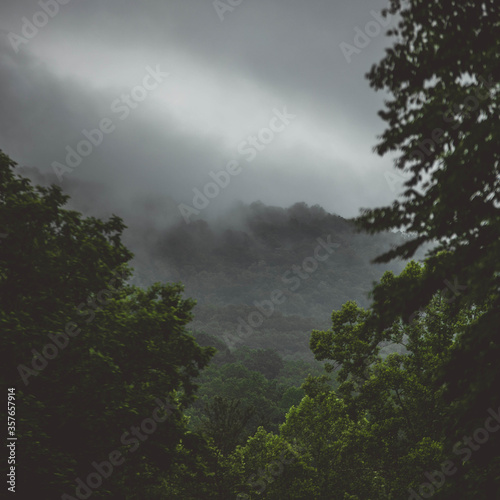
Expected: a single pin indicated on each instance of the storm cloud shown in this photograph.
(68, 67)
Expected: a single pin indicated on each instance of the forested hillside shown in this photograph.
(313, 261)
(266, 352)
(232, 264)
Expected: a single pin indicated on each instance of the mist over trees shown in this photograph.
(324, 357)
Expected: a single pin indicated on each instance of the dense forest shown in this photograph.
(311, 260)
(278, 353)
(231, 266)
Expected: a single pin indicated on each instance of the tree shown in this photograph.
(444, 128)
(98, 365)
(393, 388)
(233, 381)
(266, 361)
(269, 466)
(224, 421)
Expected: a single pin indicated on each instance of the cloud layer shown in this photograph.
(224, 80)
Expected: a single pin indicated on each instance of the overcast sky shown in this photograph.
(229, 70)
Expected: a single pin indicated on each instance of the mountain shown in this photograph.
(261, 275)
(266, 276)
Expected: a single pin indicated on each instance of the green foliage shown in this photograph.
(392, 389)
(125, 348)
(417, 371)
(231, 265)
(224, 421)
(443, 127)
(235, 382)
(265, 361)
(269, 466)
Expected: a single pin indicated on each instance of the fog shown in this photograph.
(174, 94)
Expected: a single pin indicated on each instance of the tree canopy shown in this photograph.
(89, 355)
(443, 80)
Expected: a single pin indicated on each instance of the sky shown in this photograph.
(191, 106)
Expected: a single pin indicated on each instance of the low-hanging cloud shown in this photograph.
(224, 81)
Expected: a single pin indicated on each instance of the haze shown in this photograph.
(225, 78)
